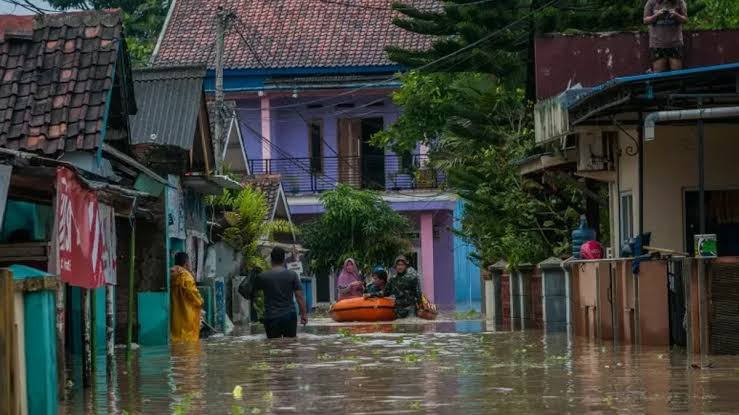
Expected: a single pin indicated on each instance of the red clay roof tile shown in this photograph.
(53, 90)
(289, 33)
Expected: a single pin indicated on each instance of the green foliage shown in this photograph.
(356, 224)
(246, 213)
(142, 21)
(716, 14)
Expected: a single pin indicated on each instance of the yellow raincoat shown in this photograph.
(185, 305)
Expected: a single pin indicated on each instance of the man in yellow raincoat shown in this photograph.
(185, 302)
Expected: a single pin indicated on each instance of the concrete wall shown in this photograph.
(444, 260)
(670, 168)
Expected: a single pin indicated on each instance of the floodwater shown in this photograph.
(444, 368)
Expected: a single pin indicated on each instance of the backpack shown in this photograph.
(246, 288)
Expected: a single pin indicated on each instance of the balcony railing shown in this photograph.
(377, 172)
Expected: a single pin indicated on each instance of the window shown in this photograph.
(627, 217)
(315, 145)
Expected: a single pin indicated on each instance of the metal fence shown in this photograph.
(377, 172)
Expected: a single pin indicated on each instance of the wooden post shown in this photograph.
(61, 354)
(702, 310)
(86, 334)
(109, 329)
(687, 273)
(8, 353)
(131, 289)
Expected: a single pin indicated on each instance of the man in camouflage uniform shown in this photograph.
(405, 287)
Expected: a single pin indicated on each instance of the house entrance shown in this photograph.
(360, 163)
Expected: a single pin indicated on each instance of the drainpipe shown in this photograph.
(695, 114)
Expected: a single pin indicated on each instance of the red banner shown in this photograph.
(79, 232)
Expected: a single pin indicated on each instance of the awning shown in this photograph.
(209, 184)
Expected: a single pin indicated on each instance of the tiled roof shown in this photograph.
(230, 113)
(56, 76)
(169, 100)
(269, 184)
(289, 33)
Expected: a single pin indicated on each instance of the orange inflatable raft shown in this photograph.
(363, 309)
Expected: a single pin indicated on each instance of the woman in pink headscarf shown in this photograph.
(350, 283)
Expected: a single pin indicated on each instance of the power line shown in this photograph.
(27, 6)
(323, 140)
(379, 8)
(396, 77)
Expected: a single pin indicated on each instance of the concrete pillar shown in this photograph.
(266, 123)
(490, 300)
(427, 254)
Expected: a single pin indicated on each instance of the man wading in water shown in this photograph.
(279, 286)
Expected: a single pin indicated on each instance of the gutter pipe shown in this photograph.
(695, 114)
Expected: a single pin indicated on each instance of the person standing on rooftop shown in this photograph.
(665, 19)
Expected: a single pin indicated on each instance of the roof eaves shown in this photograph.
(651, 77)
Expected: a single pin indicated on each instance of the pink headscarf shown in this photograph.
(346, 278)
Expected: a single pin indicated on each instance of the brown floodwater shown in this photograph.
(445, 368)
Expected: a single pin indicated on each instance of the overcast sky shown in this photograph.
(8, 8)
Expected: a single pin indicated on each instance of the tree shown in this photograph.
(245, 214)
(468, 104)
(142, 21)
(356, 224)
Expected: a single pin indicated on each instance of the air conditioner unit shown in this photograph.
(595, 154)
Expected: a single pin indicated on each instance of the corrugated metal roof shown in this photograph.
(591, 59)
(682, 74)
(168, 99)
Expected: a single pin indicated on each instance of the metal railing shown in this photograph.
(377, 172)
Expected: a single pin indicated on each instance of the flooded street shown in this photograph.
(454, 368)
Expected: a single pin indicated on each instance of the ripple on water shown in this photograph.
(409, 371)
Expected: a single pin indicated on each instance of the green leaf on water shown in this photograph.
(237, 410)
(415, 405)
(411, 358)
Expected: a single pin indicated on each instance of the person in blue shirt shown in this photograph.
(378, 283)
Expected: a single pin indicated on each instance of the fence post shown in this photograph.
(8, 352)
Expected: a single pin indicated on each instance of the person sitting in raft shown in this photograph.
(378, 283)
(350, 283)
(405, 287)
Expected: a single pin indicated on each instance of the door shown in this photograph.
(373, 158)
(350, 135)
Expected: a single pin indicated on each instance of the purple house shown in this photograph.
(311, 81)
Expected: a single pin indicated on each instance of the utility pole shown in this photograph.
(223, 17)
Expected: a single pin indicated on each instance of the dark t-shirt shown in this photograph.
(279, 286)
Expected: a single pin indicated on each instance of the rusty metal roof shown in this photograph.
(592, 59)
(169, 99)
(57, 78)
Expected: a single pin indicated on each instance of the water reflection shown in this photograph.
(457, 367)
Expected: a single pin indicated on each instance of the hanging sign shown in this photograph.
(79, 232)
(108, 242)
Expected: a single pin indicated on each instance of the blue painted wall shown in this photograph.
(466, 272)
(99, 327)
(153, 312)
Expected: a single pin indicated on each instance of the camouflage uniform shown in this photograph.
(406, 288)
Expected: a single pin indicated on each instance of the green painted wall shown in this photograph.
(40, 332)
(153, 312)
